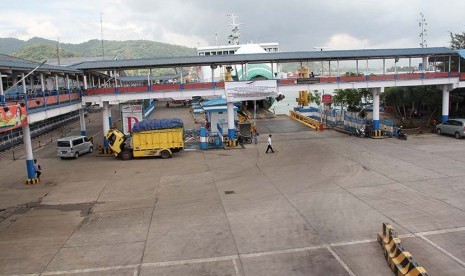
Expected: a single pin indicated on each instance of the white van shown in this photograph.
(73, 146)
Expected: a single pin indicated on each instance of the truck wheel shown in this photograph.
(76, 155)
(165, 154)
(91, 149)
(126, 155)
(457, 135)
(439, 131)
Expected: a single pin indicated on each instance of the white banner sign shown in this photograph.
(251, 90)
(131, 114)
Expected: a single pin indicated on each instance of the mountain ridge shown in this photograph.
(38, 49)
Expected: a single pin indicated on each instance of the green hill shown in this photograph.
(38, 49)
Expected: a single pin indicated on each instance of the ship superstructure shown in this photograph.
(237, 72)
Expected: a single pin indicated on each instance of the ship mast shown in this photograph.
(233, 38)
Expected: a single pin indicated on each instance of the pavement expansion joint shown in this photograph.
(234, 258)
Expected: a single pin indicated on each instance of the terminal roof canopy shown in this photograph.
(278, 57)
(461, 52)
(9, 63)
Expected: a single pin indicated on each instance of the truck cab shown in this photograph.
(117, 141)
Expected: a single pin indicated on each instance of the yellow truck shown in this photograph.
(149, 138)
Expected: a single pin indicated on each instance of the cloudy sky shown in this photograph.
(298, 25)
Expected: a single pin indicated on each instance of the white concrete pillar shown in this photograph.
(231, 126)
(31, 174)
(67, 82)
(116, 79)
(42, 82)
(367, 70)
(82, 121)
(23, 83)
(85, 82)
(56, 81)
(106, 125)
(213, 72)
(425, 63)
(31, 81)
(445, 103)
(376, 92)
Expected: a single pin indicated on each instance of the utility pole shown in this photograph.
(58, 51)
(101, 32)
(423, 31)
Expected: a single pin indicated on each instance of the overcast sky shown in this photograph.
(298, 25)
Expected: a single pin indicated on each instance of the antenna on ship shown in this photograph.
(233, 38)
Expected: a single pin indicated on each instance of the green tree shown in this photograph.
(40, 52)
(432, 100)
(457, 41)
(352, 74)
(406, 100)
(314, 97)
(395, 97)
(352, 98)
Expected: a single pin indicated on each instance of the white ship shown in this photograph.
(238, 72)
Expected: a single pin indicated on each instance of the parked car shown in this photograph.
(73, 146)
(370, 108)
(454, 127)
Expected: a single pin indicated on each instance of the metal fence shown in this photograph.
(344, 119)
(13, 138)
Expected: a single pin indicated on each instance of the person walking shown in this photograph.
(269, 145)
(37, 169)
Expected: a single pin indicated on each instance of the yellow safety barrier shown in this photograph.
(376, 134)
(232, 143)
(104, 150)
(307, 121)
(399, 260)
(32, 181)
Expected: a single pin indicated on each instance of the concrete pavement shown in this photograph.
(312, 208)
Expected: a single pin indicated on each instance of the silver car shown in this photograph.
(454, 127)
(73, 146)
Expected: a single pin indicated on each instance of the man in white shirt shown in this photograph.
(269, 145)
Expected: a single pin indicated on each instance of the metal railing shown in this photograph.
(305, 120)
(43, 100)
(281, 82)
(14, 137)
